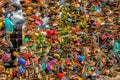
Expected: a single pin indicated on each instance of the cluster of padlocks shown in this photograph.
(59, 39)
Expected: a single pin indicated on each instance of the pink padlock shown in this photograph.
(6, 57)
(37, 22)
(79, 1)
(104, 37)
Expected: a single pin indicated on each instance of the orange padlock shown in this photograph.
(27, 1)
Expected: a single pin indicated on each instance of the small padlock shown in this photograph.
(36, 69)
(40, 76)
(16, 54)
(2, 68)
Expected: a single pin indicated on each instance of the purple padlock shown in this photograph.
(50, 63)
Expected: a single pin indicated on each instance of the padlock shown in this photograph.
(40, 76)
(2, 68)
(113, 73)
(21, 61)
(56, 55)
(6, 57)
(27, 1)
(36, 69)
(1, 25)
(52, 78)
(9, 77)
(1, 52)
(27, 62)
(16, 54)
(20, 78)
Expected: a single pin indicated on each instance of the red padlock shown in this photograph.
(75, 30)
(35, 60)
(51, 33)
(0, 33)
(97, 24)
(60, 75)
(34, 16)
(54, 38)
(26, 55)
(104, 37)
(27, 62)
(37, 1)
(67, 62)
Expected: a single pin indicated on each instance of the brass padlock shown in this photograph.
(2, 68)
(28, 12)
(16, 54)
(34, 11)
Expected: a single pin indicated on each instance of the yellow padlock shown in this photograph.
(1, 25)
(83, 70)
(90, 72)
(73, 62)
(79, 78)
(52, 78)
(39, 76)
(69, 14)
(11, 71)
(9, 77)
(47, 78)
(21, 78)
(57, 55)
(77, 5)
(36, 34)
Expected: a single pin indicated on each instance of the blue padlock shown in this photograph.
(75, 68)
(94, 77)
(81, 58)
(21, 61)
(22, 70)
(103, 47)
(94, 34)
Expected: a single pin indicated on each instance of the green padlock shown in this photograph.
(26, 39)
